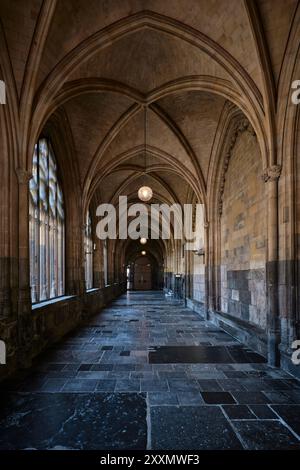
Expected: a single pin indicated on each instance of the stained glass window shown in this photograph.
(46, 226)
(88, 250)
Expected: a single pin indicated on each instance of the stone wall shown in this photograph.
(52, 320)
(199, 279)
(243, 234)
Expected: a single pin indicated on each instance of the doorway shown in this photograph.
(142, 274)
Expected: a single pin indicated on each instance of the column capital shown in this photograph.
(271, 173)
(23, 176)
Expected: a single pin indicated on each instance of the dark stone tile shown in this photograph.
(294, 383)
(263, 412)
(61, 374)
(248, 398)
(85, 367)
(107, 348)
(53, 385)
(124, 385)
(191, 428)
(241, 355)
(277, 397)
(106, 385)
(179, 374)
(125, 353)
(293, 396)
(144, 375)
(190, 398)
(107, 421)
(162, 398)
(274, 385)
(143, 368)
(92, 374)
(71, 367)
(238, 412)
(290, 414)
(183, 385)
(148, 385)
(102, 367)
(189, 355)
(223, 367)
(235, 374)
(255, 384)
(231, 385)
(80, 385)
(256, 373)
(266, 435)
(124, 367)
(217, 398)
(118, 375)
(209, 386)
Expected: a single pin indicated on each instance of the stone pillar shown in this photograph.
(207, 261)
(5, 242)
(271, 177)
(211, 264)
(8, 317)
(25, 320)
(98, 264)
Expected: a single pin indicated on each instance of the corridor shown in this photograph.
(148, 373)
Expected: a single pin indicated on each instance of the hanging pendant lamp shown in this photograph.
(145, 193)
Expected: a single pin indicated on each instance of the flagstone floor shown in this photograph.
(148, 373)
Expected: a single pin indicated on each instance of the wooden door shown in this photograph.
(142, 274)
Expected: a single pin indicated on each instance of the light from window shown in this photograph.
(46, 226)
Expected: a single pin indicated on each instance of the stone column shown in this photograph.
(271, 177)
(98, 264)
(8, 317)
(207, 264)
(25, 318)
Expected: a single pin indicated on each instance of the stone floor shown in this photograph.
(148, 373)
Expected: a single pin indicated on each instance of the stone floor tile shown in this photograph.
(190, 398)
(238, 412)
(217, 398)
(162, 398)
(265, 435)
(191, 428)
(124, 385)
(263, 412)
(148, 385)
(80, 385)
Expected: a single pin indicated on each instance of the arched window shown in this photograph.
(88, 251)
(46, 226)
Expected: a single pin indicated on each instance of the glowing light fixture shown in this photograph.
(143, 253)
(143, 241)
(145, 193)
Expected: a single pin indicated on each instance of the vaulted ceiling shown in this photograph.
(190, 62)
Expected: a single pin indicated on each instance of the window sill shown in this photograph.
(93, 289)
(45, 303)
